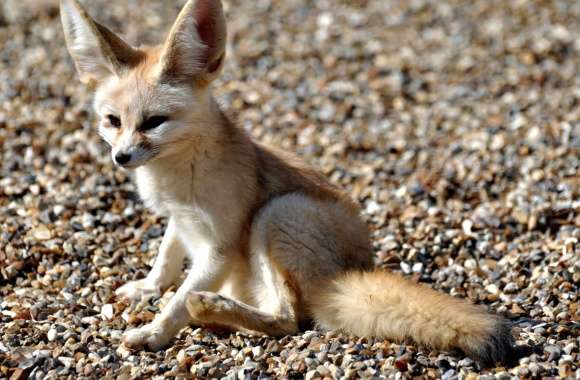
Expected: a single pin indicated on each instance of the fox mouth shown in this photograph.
(134, 162)
(130, 166)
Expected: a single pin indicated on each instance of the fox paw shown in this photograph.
(143, 289)
(151, 336)
(199, 303)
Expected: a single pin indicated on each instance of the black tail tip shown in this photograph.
(498, 348)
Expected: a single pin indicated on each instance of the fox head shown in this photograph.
(152, 102)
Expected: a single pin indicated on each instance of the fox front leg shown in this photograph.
(166, 270)
(207, 273)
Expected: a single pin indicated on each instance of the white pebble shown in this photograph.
(107, 311)
(257, 351)
(492, 288)
(51, 335)
(417, 267)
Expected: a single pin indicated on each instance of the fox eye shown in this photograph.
(153, 122)
(114, 120)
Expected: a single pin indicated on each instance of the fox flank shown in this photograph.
(274, 245)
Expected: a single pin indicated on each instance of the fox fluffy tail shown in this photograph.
(384, 304)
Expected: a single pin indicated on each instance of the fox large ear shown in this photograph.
(195, 48)
(96, 50)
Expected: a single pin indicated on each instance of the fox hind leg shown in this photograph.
(212, 308)
(277, 308)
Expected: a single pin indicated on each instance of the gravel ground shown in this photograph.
(455, 124)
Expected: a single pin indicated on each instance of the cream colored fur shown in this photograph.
(274, 245)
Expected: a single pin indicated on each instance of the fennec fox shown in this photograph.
(274, 245)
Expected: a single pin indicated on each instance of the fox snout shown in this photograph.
(122, 158)
(130, 148)
(133, 156)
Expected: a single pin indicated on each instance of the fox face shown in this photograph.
(152, 102)
(143, 121)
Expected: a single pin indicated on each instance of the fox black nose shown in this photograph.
(122, 158)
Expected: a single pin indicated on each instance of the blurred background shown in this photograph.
(454, 123)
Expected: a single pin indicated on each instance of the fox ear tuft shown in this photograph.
(97, 52)
(195, 48)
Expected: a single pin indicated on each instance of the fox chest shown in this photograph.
(174, 198)
(204, 214)
(165, 194)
